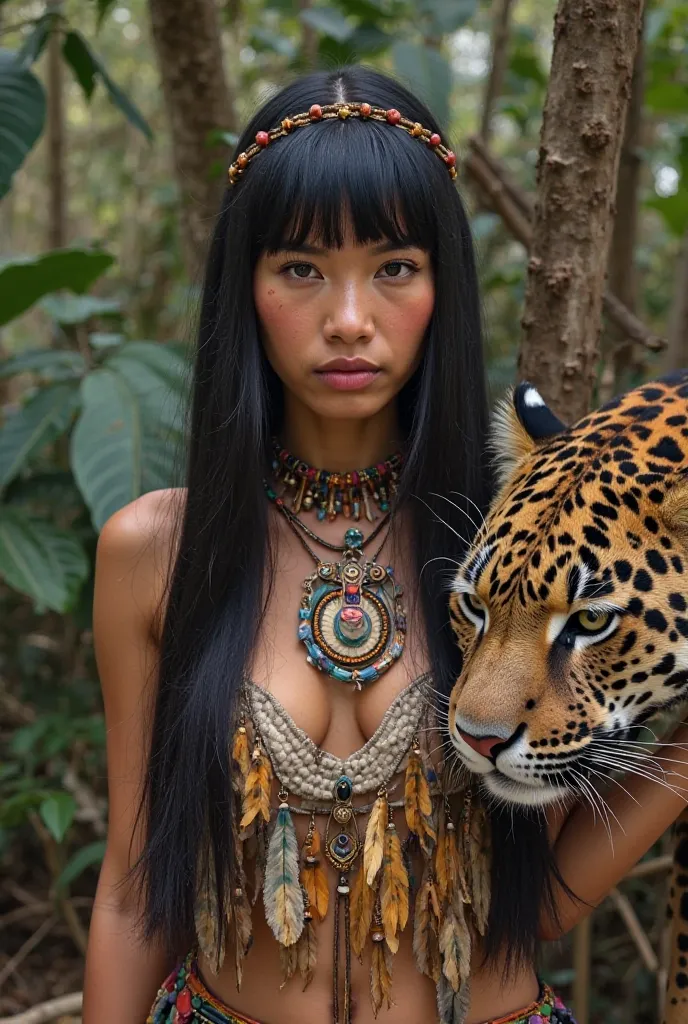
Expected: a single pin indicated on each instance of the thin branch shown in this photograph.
(635, 929)
(514, 208)
(498, 61)
(26, 948)
(50, 1010)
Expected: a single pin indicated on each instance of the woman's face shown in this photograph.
(344, 328)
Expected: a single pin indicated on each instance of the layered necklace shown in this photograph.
(351, 618)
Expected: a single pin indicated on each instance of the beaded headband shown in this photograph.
(342, 110)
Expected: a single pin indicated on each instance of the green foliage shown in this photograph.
(26, 279)
(22, 114)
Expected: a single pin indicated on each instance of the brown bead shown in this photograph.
(287, 124)
(242, 160)
(393, 116)
(366, 109)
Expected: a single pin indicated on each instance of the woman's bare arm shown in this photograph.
(122, 973)
(639, 811)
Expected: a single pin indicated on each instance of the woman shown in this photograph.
(341, 316)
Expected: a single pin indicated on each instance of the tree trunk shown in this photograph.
(676, 355)
(187, 39)
(498, 62)
(624, 357)
(55, 138)
(592, 63)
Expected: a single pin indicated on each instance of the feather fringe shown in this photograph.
(314, 879)
(452, 1007)
(289, 961)
(282, 895)
(394, 889)
(455, 946)
(362, 905)
(243, 934)
(257, 789)
(307, 952)
(373, 847)
(241, 757)
(417, 802)
(426, 927)
(381, 976)
(206, 919)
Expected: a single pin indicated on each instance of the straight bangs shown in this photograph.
(335, 176)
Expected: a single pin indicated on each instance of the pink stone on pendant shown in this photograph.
(352, 617)
(536, 1019)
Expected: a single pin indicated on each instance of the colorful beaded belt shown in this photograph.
(183, 998)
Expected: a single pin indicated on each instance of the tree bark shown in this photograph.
(677, 351)
(498, 62)
(187, 39)
(55, 139)
(623, 277)
(595, 42)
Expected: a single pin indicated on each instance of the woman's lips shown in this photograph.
(347, 380)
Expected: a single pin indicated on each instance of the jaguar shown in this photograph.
(571, 606)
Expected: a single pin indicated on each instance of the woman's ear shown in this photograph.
(520, 421)
(674, 510)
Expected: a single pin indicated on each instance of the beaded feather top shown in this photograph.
(381, 890)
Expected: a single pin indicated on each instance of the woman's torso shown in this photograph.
(340, 720)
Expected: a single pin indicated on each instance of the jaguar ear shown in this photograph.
(674, 510)
(520, 421)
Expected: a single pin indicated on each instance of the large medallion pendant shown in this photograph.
(351, 618)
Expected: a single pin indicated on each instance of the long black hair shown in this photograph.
(390, 186)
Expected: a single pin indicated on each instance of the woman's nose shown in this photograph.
(350, 319)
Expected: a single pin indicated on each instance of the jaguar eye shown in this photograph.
(591, 621)
(473, 608)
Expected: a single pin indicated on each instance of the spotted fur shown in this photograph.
(571, 608)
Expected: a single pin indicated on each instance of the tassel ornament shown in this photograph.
(313, 877)
(257, 788)
(394, 888)
(417, 802)
(373, 847)
(282, 894)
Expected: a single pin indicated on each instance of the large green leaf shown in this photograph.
(24, 280)
(22, 115)
(88, 67)
(328, 21)
(40, 560)
(45, 417)
(106, 445)
(46, 362)
(427, 73)
(77, 309)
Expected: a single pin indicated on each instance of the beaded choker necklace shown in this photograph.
(354, 494)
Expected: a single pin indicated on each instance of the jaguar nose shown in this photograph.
(482, 744)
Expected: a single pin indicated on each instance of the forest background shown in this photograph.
(116, 123)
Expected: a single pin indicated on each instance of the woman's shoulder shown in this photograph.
(138, 542)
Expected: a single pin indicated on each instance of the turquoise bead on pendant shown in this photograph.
(353, 538)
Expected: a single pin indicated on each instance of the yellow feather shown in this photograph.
(417, 803)
(426, 929)
(381, 976)
(314, 879)
(240, 752)
(307, 953)
(394, 889)
(441, 873)
(362, 904)
(257, 790)
(373, 847)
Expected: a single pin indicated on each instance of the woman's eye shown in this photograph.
(300, 270)
(398, 269)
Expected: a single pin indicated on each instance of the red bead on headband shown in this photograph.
(342, 111)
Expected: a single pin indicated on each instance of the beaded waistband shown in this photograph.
(183, 999)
